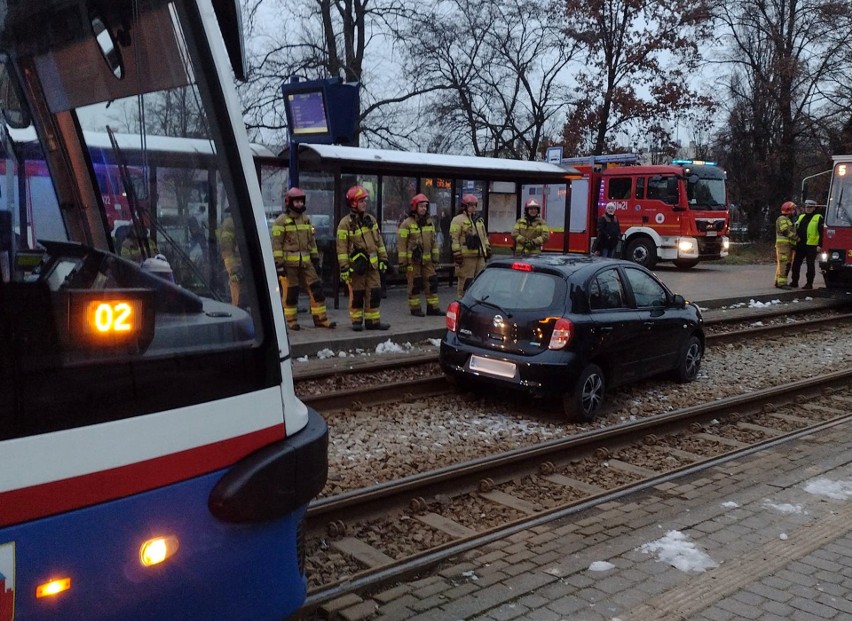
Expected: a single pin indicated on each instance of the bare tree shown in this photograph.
(787, 64)
(639, 56)
(351, 39)
(498, 70)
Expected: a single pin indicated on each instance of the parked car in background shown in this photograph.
(570, 326)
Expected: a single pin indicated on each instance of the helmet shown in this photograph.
(531, 204)
(810, 203)
(355, 194)
(788, 207)
(418, 198)
(469, 199)
(291, 195)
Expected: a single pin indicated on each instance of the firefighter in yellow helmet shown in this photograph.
(362, 256)
(530, 232)
(231, 256)
(418, 255)
(469, 243)
(785, 242)
(297, 260)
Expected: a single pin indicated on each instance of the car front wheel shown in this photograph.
(690, 360)
(587, 397)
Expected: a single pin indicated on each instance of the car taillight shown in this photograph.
(562, 333)
(453, 316)
(523, 267)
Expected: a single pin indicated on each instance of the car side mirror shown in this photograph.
(678, 301)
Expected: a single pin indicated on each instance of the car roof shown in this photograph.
(580, 265)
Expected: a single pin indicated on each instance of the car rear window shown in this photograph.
(518, 290)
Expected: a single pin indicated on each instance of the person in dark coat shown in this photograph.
(609, 232)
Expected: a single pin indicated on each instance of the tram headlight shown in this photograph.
(156, 550)
(53, 587)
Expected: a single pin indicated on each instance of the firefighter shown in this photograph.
(418, 256)
(362, 257)
(809, 229)
(530, 232)
(469, 243)
(785, 242)
(138, 245)
(297, 261)
(231, 256)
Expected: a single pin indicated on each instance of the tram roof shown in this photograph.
(131, 143)
(386, 161)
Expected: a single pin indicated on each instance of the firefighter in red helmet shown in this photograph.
(785, 242)
(294, 249)
(530, 232)
(418, 255)
(469, 243)
(362, 257)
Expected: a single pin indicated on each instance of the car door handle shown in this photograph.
(650, 324)
(606, 328)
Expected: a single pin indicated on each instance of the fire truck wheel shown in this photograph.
(685, 265)
(642, 251)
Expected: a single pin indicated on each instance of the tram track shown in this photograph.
(436, 384)
(570, 469)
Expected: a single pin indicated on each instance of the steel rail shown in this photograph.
(532, 457)
(434, 385)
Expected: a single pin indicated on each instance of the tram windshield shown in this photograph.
(124, 236)
(839, 208)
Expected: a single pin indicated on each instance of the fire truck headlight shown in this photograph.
(687, 245)
(726, 243)
(823, 257)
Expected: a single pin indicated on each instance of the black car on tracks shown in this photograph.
(569, 326)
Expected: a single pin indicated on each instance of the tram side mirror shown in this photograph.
(14, 107)
(108, 46)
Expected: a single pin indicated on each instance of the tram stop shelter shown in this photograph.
(393, 177)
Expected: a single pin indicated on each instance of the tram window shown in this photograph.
(619, 188)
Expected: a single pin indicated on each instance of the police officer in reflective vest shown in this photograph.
(809, 229)
(418, 255)
(530, 232)
(297, 259)
(785, 241)
(469, 243)
(361, 256)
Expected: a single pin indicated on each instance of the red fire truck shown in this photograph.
(676, 212)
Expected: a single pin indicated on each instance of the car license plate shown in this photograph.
(492, 367)
(711, 233)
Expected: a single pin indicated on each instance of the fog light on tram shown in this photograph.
(53, 587)
(156, 550)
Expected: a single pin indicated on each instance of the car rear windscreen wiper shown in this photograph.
(484, 301)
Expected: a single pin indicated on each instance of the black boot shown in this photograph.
(357, 327)
(436, 312)
(417, 312)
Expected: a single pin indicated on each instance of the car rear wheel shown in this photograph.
(690, 360)
(586, 399)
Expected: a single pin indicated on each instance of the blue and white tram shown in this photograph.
(154, 460)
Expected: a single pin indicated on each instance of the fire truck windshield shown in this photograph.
(705, 193)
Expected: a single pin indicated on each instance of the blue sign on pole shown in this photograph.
(320, 112)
